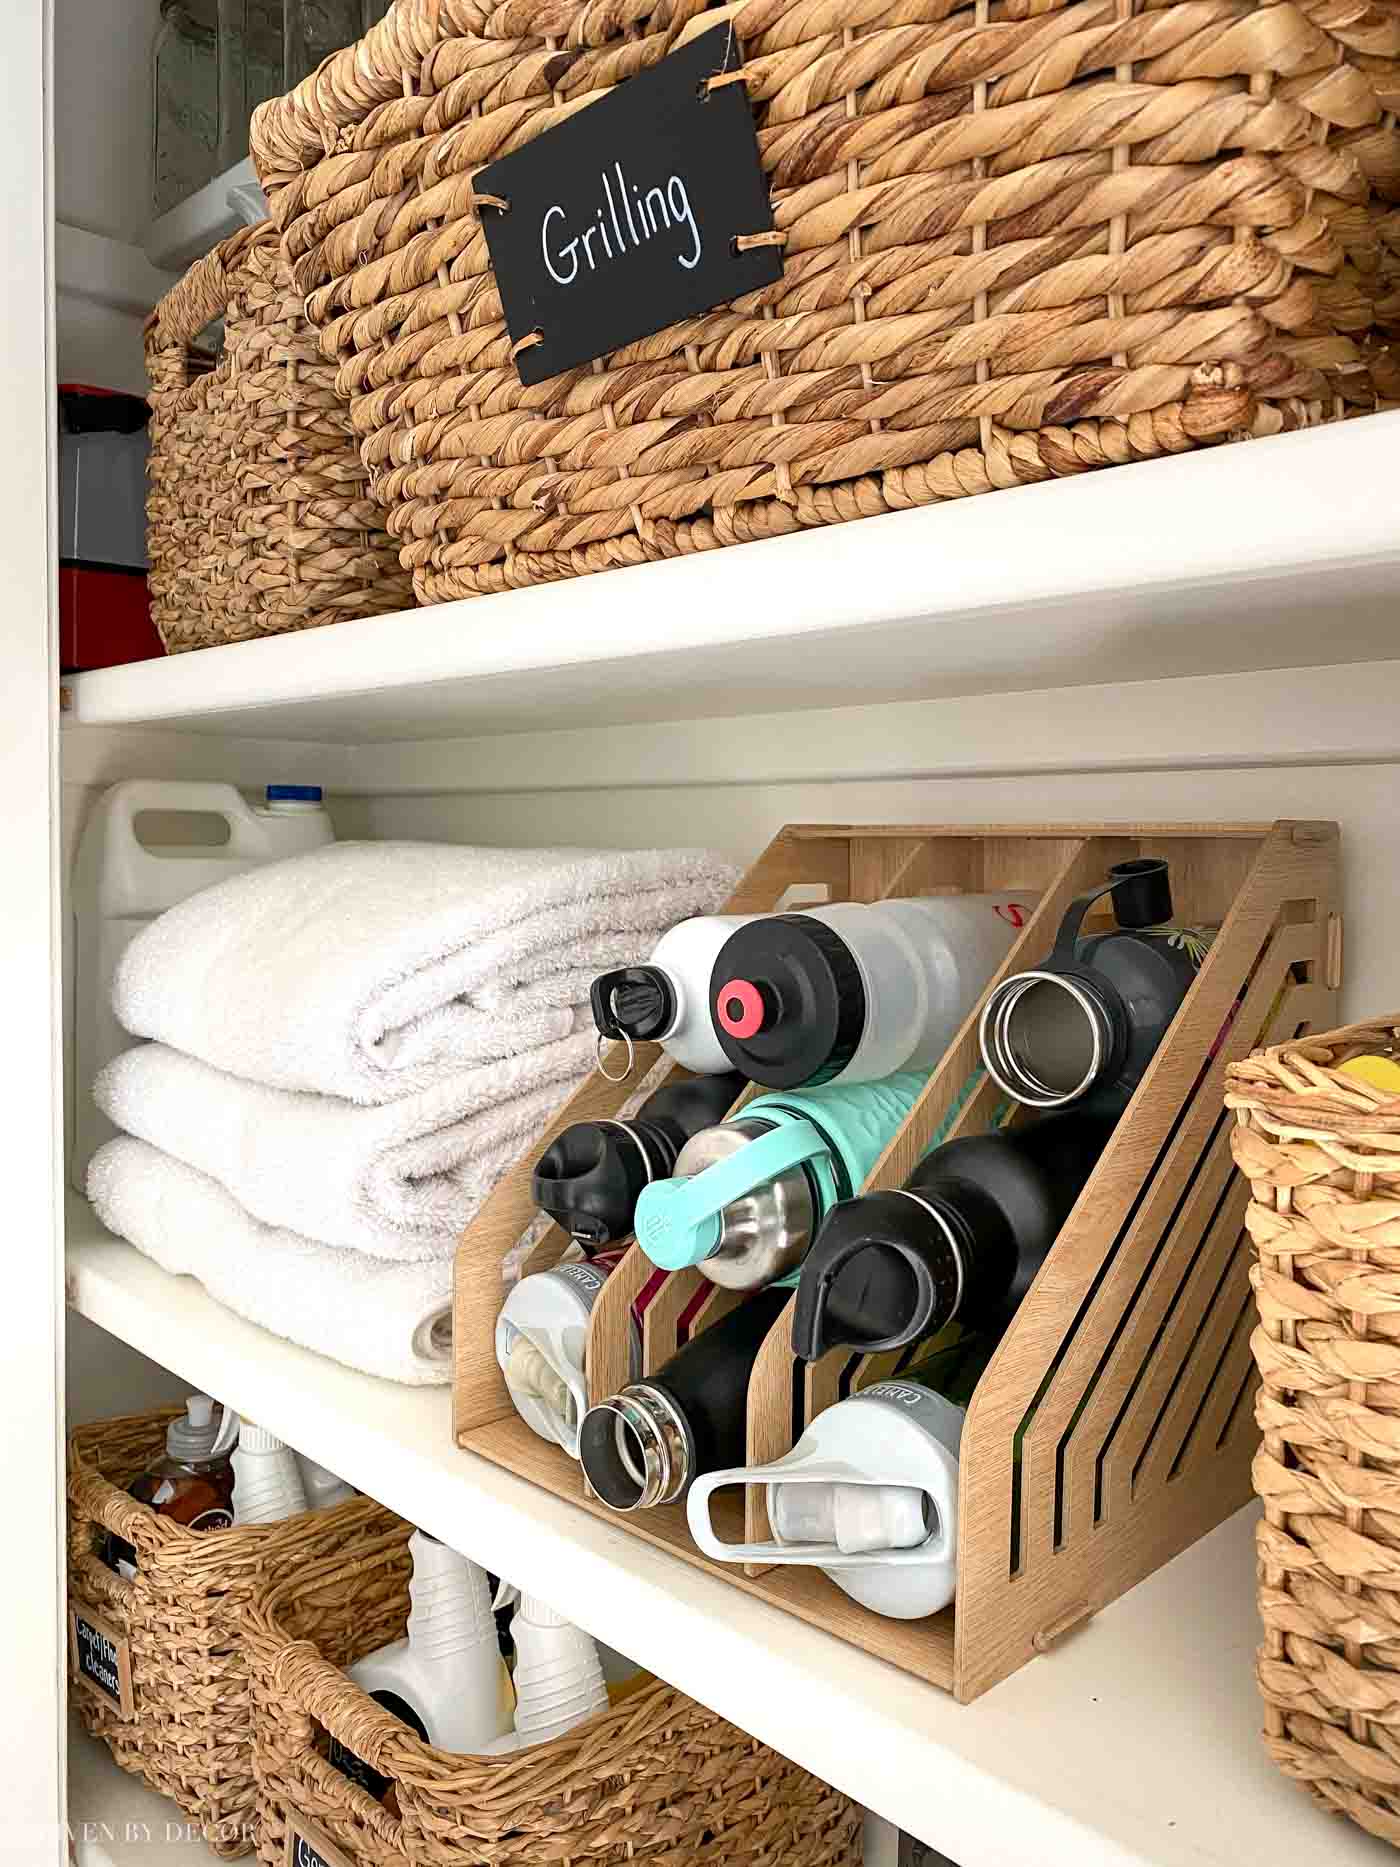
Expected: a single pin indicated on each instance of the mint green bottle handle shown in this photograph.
(678, 1221)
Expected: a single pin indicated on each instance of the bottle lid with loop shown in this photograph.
(1049, 1034)
(680, 1221)
(631, 1005)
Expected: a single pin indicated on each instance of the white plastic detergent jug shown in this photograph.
(132, 866)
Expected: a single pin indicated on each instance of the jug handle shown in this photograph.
(203, 799)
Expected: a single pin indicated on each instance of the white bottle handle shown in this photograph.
(247, 836)
(938, 1549)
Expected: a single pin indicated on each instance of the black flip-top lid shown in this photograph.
(881, 1272)
(786, 1001)
(589, 1177)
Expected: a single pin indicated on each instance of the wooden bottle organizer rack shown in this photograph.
(1114, 1425)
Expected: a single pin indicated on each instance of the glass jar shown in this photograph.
(185, 81)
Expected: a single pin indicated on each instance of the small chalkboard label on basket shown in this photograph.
(101, 1658)
(308, 1847)
(645, 208)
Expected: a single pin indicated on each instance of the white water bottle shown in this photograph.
(667, 1001)
(324, 1490)
(559, 1681)
(266, 1481)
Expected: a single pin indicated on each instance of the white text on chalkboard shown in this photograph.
(622, 226)
(98, 1659)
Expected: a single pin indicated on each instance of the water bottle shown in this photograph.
(747, 1196)
(869, 1494)
(1091, 1015)
(666, 1001)
(645, 1444)
(266, 1478)
(961, 1241)
(588, 1178)
(854, 992)
(541, 1344)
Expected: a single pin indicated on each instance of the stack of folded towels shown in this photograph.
(349, 1050)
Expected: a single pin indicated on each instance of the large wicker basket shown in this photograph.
(259, 518)
(658, 1779)
(180, 1622)
(1322, 1154)
(1022, 238)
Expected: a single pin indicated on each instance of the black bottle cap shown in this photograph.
(1142, 892)
(786, 1001)
(882, 1271)
(589, 1177)
(635, 1001)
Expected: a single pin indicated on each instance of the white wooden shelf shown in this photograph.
(1275, 554)
(1132, 1745)
(115, 1821)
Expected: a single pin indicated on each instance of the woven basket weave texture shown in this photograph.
(658, 1779)
(191, 1738)
(259, 518)
(1322, 1153)
(1022, 238)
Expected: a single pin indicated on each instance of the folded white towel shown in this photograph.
(386, 1319)
(399, 1181)
(370, 970)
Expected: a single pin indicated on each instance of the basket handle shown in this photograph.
(200, 297)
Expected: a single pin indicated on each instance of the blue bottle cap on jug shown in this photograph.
(293, 794)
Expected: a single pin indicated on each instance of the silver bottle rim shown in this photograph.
(1009, 1070)
(953, 1244)
(635, 1449)
(633, 1135)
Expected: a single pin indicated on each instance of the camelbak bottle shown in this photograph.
(589, 1177)
(666, 1001)
(960, 1241)
(541, 1339)
(746, 1197)
(854, 992)
(645, 1444)
(869, 1494)
(1092, 1014)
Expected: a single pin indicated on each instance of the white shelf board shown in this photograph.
(114, 1820)
(1271, 554)
(1134, 1744)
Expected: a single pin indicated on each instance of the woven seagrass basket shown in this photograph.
(179, 1623)
(657, 1779)
(1022, 238)
(259, 518)
(1322, 1153)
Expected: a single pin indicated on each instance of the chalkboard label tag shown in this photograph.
(624, 219)
(308, 1847)
(101, 1659)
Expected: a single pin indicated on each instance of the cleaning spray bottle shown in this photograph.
(266, 1481)
(747, 1196)
(445, 1679)
(324, 1490)
(869, 1494)
(559, 1680)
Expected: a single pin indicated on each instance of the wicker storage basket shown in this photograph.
(1322, 1154)
(1021, 239)
(657, 1779)
(180, 1623)
(259, 519)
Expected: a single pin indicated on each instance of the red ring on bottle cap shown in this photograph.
(749, 999)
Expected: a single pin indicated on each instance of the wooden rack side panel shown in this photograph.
(1065, 1351)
